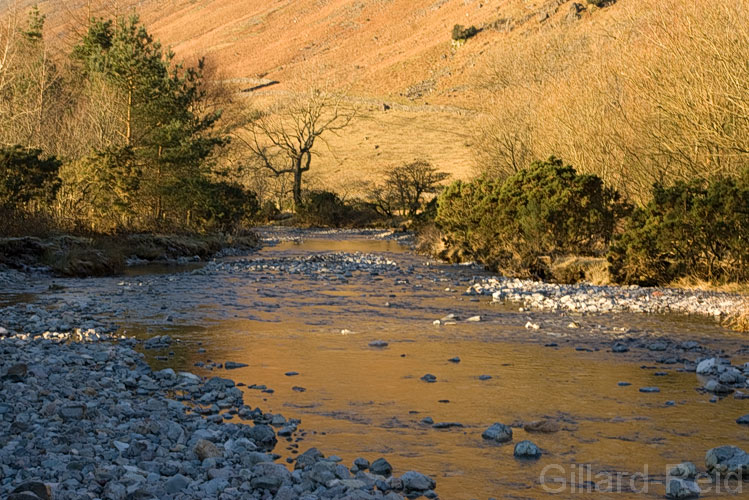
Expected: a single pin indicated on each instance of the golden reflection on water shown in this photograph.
(365, 401)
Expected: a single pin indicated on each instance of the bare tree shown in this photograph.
(283, 141)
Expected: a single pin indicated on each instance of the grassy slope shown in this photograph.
(394, 51)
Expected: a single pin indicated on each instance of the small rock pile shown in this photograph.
(318, 266)
(82, 418)
(587, 298)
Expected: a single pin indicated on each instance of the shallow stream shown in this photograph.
(357, 400)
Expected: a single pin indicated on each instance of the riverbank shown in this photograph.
(83, 416)
(74, 256)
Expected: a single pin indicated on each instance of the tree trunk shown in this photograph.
(297, 189)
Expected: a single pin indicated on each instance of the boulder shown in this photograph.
(678, 489)
(527, 450)
(727, 459)
(415, 481)
(497, 432)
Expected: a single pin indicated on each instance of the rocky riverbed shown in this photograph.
(85, 417)
(586, 298)
(433, 374)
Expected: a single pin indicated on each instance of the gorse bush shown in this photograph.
(546, 210)
(461, 33)
(323, 209)
(697, 229)
(26, 176)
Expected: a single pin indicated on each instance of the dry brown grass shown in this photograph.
(740, 320)
(635, 92)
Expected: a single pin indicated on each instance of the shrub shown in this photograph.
(697, 229)
(405, 188)
(460, 33)
(224, 206)
(26, 176)
(517, 225)
(322, 208)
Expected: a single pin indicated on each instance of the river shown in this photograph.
(305, 333)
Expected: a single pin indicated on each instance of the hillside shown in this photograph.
(397, 52)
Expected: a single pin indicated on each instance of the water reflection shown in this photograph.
(366, 401)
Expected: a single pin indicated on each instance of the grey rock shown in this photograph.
(39, 489)
(264, 437)
(526, 449)
(727, 459)
(73, 411)
(497, 432)
(678, 489)
(232, 365)
(176, 483)
(743, 420)
(415, 481)
(684, 470)
(716, 387)
(381, 467)
(429, 378)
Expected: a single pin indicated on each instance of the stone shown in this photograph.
(429, 378)
(527, 450)
(16, 373)
(231, 365)
(485, 377)
(361, 463)
(37, 488)
(176, 483)
(678, 489)
(473, 319)
(707, 366)
(743, 420)
(716, 387)
(455, 359)
(381, 467)
(73, 411)
(415, 481)
(322, 472)
(308, 458)
(727, 459)
(619, 347)
(684, 470)
(498, 432)
(657, 346)
(650, 389)
(204, 449)
(264, 437)
(378, 343)
(545, 426)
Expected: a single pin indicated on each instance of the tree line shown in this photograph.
(115, 136)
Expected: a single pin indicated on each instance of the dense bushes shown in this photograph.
(697, 229)
(327, 209)
(524, 224)
(26, 176)
(545, 210)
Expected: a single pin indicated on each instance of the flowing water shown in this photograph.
(366, 401)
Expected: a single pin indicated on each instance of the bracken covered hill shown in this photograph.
(584, 80)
